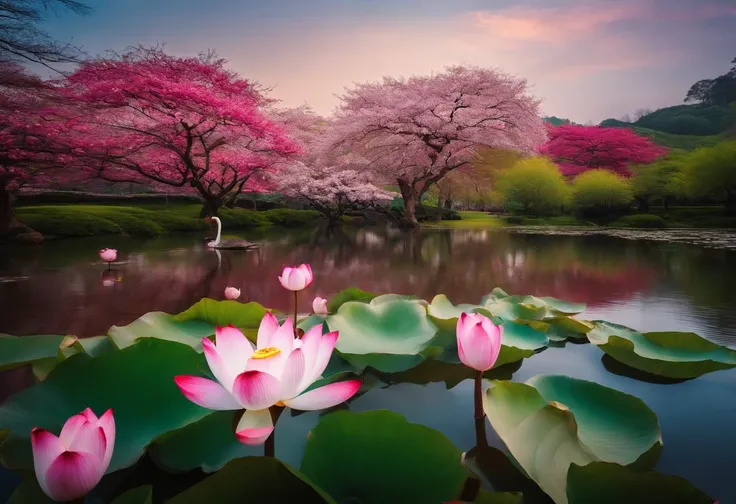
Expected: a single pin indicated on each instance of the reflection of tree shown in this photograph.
(172, 273)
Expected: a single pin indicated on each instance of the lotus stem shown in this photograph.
(108, 266)
(480, 424)
(269, 449)
(296, 297)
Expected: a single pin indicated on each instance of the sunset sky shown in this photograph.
(587, 59)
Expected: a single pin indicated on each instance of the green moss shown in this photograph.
(238, 218)
(290, 218)
(67, 222)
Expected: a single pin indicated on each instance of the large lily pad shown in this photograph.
(71, 345)
(139, 495)
(554, 421)
(503, 305)
(222, 313)
(349, 294)
(669, 354)
(606, 483)
(442, 308)
(390, 336)
(431, 371)
(137, 382)
(378, 457)
(162, 326)
(264, 480)
(17, 351)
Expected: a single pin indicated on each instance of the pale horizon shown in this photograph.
(587, 61)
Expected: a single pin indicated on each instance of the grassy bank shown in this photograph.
(149, 220)
(657, 217)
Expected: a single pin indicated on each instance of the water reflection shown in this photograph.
(650, 283)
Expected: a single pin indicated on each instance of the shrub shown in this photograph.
(533, 186)
(600, 192)
(290, 218)
(711, 172)
(640, 221)
(238, 218)
(66, 221)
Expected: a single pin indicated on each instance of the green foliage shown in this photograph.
(534, 185)
(598, 191)
(661, 180)
(711, 172)
(67, 221)
(290, 218)
(640, 221)
(689, 120)
(399, 462)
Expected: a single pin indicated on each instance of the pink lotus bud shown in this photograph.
(232, 293)
(296, 278)
(478, 341)
(108, 255)
(69, 466)
(319, 306)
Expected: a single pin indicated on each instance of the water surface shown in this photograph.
(62, 288)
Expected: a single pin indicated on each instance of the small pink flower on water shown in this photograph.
(108, 255)
(319, 306)
(296, 278)
(274, 373)
(478, 341)
(232, 293)
(69, 466)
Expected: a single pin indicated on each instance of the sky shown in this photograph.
(588, 60)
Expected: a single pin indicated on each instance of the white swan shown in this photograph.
(227, 244)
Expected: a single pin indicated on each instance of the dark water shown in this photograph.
(61, 288)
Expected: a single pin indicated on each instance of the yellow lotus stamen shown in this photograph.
(265, 353)
(280, 404)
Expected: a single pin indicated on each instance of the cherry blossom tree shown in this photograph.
(177, 123)
(414, 131)
(577, 149)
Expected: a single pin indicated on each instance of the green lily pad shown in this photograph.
(485, 497)
(17, 351)
(350, 294)
(29, 492)
(606, 483)
(431, 371)
(222, 313)
(387, 298)
(137, 382)
(563, 307)
(264, 480)
(378, 457)
(509, 307)
(139, 495)
(554, 421)
(162, 326)
(669, 354)
(71, 345)
(391, 336)
(442, 308)
(208, 444)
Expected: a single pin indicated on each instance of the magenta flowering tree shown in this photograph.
(414, 131)
(577, 149)
(183, 123)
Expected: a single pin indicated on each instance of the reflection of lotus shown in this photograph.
(69, 466)
(108, 278)
(275, 374)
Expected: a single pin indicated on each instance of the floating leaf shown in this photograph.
(432, 370)
(162, 326)
(137, 382)
(606, 483)
(140, 495)
(553, 421)
(29, 492)
(390, 336)
(378, 457)
(264, 480)
(670, 354)
(222, 313)
(17, 351)
(349, 294)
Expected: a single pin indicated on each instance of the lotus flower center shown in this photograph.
(265, 353)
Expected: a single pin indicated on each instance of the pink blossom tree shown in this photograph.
(577, 149)
(414, 131)
(177, 123)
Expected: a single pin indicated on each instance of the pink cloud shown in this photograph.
(585, 20)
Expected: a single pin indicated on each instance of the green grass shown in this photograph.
(148, 220)
(684, 142)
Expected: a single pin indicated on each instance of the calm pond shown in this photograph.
(62, 288)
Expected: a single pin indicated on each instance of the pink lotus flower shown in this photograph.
(478, 341)
(296, 278)
(232, 293)
(108, 255)
(276, 373)
(70, 465)
(319, 305)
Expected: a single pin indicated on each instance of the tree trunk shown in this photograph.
(408, 193)
(10, 228)
(210, 207)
